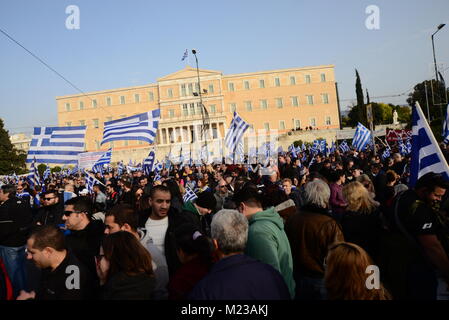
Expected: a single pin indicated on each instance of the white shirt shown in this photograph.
(153, 238)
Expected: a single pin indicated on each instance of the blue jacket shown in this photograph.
(240, 277)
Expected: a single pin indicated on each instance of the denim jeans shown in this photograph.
(310, 289)
(14, 259)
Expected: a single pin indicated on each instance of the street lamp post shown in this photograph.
(433, 47)
(435, 63)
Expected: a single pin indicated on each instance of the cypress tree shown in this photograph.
(11, 160)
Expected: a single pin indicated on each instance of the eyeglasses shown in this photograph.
(48, 199)
(68, 213)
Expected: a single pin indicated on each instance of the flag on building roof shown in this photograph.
(59, 145)
(236, 130)
(186, 53)
(148, 163)
(105, 159)
(426, 154)
(362, 137)
(138, 127)
(189, 195)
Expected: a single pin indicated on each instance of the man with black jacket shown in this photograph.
(85, 234)
(63, 277)
(51, 211)
(15, 221)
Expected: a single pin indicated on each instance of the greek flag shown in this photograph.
(138, 127)
(386, 154)
(426, 154)
(235, 133)
(90, 182)
(239, 156)
(74, 170)
(59, 145)
(292, 150)
(333, 148)
(446, 126)
(186, 53)
(158, 167)
(362, 137)
(105, 159)
(316, 147)
(189, 195)
(33, 176)
(304, 147)
(322, 146)
(148, 163)
(120, 168)
(402, 148)
(344, 146)
(47, 173)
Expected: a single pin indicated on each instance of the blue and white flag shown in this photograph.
(322, 146)
(304, 148)
(446, 126)
(158, 167)
(362, 137)
(120, 168)
(105, 159)
(47, 173)
(60, 145)
(402, 148)
(316, 147)
(386, 154)
(344, 146)
(236, 130)
(33, 176)
(408, 146)
(333, 148)
(292, 150)
(426, 154)
(186, 53)
(138, 127)
(189, 195)
(148, 163)
(74, 171)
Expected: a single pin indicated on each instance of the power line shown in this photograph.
(48, 66)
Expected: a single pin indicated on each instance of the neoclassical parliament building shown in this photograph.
(282, 100)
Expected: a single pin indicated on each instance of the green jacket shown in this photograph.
(268, 242)
(191, 215)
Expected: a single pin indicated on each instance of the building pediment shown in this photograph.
(189, 72)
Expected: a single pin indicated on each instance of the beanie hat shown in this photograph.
(206, 200)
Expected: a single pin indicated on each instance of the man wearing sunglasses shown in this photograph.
(51, 211)
(86, 233)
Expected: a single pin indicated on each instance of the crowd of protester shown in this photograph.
(312, 227)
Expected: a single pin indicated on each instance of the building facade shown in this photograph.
(282, 100)
(21, 141)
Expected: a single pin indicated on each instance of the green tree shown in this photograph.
(56, 169)
(361, 111)
(11, 160)
(382, 114)
(436, 93)
(41, 169)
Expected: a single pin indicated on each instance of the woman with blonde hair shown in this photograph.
(365, 180)
(361, 222)
(347, 274)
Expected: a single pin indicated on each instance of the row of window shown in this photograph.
(279, 102)
(277, 82)
(108, 101)
(189, 88)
